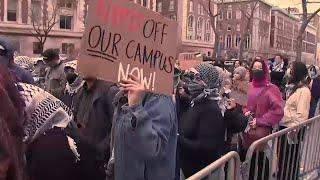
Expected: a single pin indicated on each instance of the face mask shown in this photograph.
(257, 74)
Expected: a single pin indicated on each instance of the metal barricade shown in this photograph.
(289, 154)
(229, 163)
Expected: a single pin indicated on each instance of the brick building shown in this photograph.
(195, 33)
(284, 32)
(232, 23)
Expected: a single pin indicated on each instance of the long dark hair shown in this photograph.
(299, 76)
(12, 105)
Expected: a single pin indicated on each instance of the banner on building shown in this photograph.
(123, 38)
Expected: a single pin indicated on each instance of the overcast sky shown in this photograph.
(294, 3)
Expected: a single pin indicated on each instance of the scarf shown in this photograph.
(44, 112)
(277, 67)
(75, 86)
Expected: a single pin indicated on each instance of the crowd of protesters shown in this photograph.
(73, 127)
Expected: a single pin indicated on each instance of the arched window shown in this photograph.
(199, 29)
(190, 21)
(208, 26)
(207, 37)
(200, 24)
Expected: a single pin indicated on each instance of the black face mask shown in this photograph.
(257, 74)
(71, 77)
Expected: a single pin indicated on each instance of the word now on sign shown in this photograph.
(123, 38)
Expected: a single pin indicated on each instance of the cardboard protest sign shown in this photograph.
(187, 64)
(123, 38)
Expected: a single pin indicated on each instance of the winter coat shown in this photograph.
(267, 107)
(55, 80)
(235, 122)
(297, 107)
(49, 157)
(93, 110)
(315, 88)
(202, 136)
(145, 139)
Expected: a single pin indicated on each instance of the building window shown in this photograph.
(207, 37)
(190, 34)
(238, 14)
(200, 24)
(238, 27)
(145, 3)
(65, 22)
(199, 29)
(190, 22)
(221, 16)
(12, 10)
(159, 7)
(208, 26)
(202, 10)
(199, 8)
(171, 5)
(228, 41)
(229, 28)
(191, 6)
(229, 14)
(238, 39)
(247, 43)
(173, 17)
(36, 48)
(66, 47)
(36, 11)
(66, 3)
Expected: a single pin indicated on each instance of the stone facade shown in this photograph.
(195, 34)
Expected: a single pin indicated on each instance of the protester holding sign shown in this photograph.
(144, 134)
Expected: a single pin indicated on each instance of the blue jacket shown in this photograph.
(145, 140)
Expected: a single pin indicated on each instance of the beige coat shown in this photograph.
(297, 107)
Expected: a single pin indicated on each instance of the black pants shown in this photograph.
(289, 159)
(262, 163)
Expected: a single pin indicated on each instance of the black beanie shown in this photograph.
(6, 44)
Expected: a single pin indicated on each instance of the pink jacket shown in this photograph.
(267, 107)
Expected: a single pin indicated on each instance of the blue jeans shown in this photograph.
(313, 106)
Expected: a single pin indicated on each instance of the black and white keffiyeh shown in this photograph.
(44, 112)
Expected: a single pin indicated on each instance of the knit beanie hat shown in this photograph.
(241, 71)
(209, 74)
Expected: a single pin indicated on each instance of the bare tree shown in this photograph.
(305, 21)
(248, 15)
(44, 18)
(208, 5)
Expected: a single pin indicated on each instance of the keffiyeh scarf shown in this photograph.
(44, 112)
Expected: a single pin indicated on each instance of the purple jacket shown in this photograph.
(267, 106)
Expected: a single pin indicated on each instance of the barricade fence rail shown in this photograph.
(288, 154)
(227, 167)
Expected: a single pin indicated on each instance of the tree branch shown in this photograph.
(313, 15)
